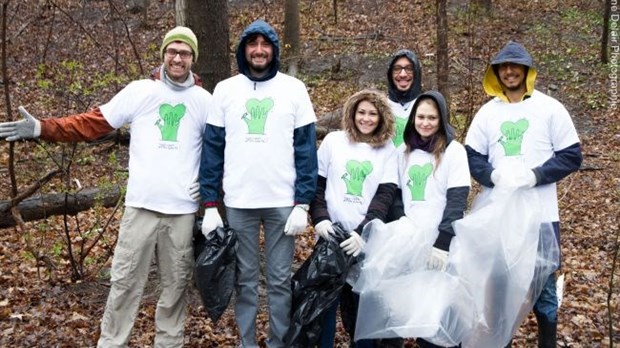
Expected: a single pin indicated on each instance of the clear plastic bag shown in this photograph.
(499, 261)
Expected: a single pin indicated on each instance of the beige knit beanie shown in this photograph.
(182, 34)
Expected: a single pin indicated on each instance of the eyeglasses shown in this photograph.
(171, 53)
(397, 69)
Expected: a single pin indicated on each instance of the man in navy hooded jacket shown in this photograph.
(522, 125)
(260, 144)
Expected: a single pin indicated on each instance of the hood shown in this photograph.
(386, 128)
(512, 52)
(416, 87)
(444, 113)
(259, 26)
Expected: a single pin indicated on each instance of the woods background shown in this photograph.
(60, 204)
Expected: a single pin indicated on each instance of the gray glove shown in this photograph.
(194, 190)
(27, 128)
(353, 245)
(438, 260)
(211, 221)
(324, 229)
(297, 221)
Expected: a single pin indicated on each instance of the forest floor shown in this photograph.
(66, 56)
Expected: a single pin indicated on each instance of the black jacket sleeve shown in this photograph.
(318, 207)
(306, 165)
(560, 165)
(212, 163)
(379, 205)
(456, 202)
(397, 208)
(479, 166)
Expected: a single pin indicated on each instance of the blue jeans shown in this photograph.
(279, 251)
(328, 327)
(546, 306)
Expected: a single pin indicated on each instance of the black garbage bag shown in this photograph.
(316, 285)
(214, 269)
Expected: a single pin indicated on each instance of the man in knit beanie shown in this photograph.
(167, 115)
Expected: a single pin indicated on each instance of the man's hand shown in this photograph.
(514, 176)
(194, 190)
(297, 220)
(27, 128)
(353, 245)
(211, 221)
(324, 229)
(438, 260)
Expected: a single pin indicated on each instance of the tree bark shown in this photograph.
(209, 21)
(605, 36)
(443, 66)
(180, 12)
(291, 35)
(37, 208)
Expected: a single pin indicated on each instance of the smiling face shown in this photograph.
(402, 74)
(426, 119)
(259, 54)
(512, 77)
(366, 118)
(177, 67)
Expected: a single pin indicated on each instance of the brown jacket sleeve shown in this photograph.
(81, 127)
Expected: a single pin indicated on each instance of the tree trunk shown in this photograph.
(291, 35)
(605, 36)
(443, 59)
(37, 208)
(209, 21)
(180, 12)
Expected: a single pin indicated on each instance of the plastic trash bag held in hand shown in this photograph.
(214, 269)
(405, 298)
(316, 285)
(503, 253)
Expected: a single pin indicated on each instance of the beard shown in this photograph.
(259, 68)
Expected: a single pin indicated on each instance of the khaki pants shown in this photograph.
(140, 232)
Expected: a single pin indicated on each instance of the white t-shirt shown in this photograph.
(424, 185)
(401, 115)
(353, 172)
(166, 129)
(529, 132)
(259, 119)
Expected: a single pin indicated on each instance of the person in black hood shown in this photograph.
(260, 145)
(404, 77)
(522, 126)
(433, 175)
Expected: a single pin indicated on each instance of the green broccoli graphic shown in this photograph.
(256, 114)
(513, 136)
(400, 128)
(418, 176)
(355, 176)
(169, 121)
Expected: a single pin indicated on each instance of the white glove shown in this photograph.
(438, 260)
(211, 221)
(518, 177)
(525, 178)
(297, 220)
(27, 128)
(194, 190)
(353, 245)
(324, 229)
